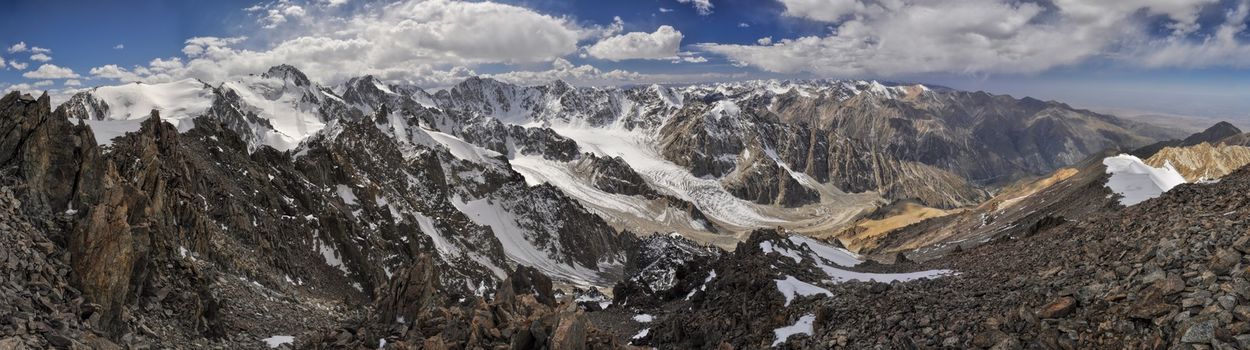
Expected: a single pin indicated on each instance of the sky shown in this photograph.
(1182, 57)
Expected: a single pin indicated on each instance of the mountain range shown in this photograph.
(276, 210)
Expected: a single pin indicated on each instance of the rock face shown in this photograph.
(179, 237)
(1202, 161)
(39, 305)
(665, 267)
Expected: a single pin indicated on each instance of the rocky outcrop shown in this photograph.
(664, 268)
(1203, 161)
(57, 161)
(612, 175)
(109, 246)
(522, 315)
(39, 306)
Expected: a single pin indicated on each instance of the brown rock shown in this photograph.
(570, 332)
(411, 292)
(1169, 285)
(1224, 261)
(106, 245)
(1059, 308)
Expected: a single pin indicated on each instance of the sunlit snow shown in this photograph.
(802, 326)
(1136, 181)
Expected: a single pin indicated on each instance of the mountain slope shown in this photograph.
(715, 158)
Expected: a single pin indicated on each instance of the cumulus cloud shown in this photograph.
(827, 10)
(40, 57)
(1221, 49)
(896, 37)
(18, 65)
(119, 47)
(703, 7)
(562, 69)
(73, 82)
(271, 15)
(50, 71)
(204, 44)
(400, 40)
(37, 49)
(19, 87)
(42, 83)
(662, 44)
(18, 47)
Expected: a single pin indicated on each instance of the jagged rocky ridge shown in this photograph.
(723, 157)
(176, 238)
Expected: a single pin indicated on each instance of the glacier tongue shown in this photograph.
(707, 194)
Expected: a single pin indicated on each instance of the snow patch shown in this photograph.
(802, 326)
(791, 287)
(278, 340)
(1136, 181)
(346, 194)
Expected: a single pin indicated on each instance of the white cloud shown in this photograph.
(334, 3)
(208, 44)
(271, 15)
(50, 71)
(19, 87)
(40, 57)
(665, 10)
(18, 65)
(42, 83)
(691, 59)
(1221, 49)
(703, 7)
(73, 82)
(768, 40)
(899, 37)
(827, 10)
(744, 25)
(662, 44)
(18, 47)
(2, 63)
(564, 70)
(113, 71)
(400, 40)
(37, 49)
(119, 47)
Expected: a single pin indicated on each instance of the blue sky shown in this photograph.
(1186, 57)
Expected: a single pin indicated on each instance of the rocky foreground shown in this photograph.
(1167, 273)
